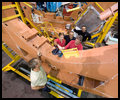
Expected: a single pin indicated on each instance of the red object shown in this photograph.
(59, 42)
(65, 13)
(71, 45)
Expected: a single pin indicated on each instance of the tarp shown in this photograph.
(52, 6)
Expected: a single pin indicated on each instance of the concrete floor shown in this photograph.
(14, 86)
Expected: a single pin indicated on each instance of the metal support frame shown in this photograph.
(106, 28)
(9, 18)
(86, 10)
(9, 67)
(62, 87)
(54, 80)
(56, 94)
(89, 43)
(61, 90)
(30, 7)
(20, 11)
(28, 4)
(14, 16)
(104, 31)
(99, 6)
(14, 59)
(51, 26)
(46, 31)
(26, 19)
(92, 44)
(79, 93)
(39, 32)
(17, 57)
(58, 82)
(95, 35)
(8, 6)
(80, 16)
(33, 25)
(101, 35)
(7, 52)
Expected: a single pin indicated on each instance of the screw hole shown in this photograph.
(24, 7)
(6, 24)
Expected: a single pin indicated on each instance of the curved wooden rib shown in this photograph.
(97, 65)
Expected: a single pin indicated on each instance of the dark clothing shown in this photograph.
(67, 38)
(84, 34)
(40, 5)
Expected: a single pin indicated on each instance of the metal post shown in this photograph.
(108, 27)
(79, 93)
(7, 52)
(20, 12)
(99, 6)
(63, 91)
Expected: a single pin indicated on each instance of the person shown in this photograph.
(84, 33)
(69, 37)
(38, 76)
(60, 41)
(74, 44)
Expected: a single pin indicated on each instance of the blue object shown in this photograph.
(39, 8)
(60, 53)
(48, 6)
(46, 89)
(40, 5)
(75, 5)
(55, 51)
(58, 4)
(61, 86)
(95, 37)
(52, 6)
(61, 90)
